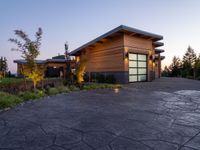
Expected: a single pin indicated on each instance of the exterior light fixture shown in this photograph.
(152, 57)
(125, 53)
(116, 90)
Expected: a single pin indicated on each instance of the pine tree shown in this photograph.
(197, 68)
(166, 72)
(175, 67)
(188, 62)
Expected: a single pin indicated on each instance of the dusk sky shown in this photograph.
(79, 21)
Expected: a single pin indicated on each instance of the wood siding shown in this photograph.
(106, 56)
(110, 54)
(141, 46)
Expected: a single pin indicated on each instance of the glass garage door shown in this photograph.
(137, 67)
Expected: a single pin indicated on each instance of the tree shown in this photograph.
(175, 67)
(30, 51)
(188, 62)
(80, 71)
(197, 67)
(166, 72)
(3, 67)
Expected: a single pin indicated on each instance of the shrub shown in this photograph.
(101, 86)
(63, 89)
(8, 100)
(52, 91)
(101, 78)
(110, 79)
(73, 88)
(28, 95)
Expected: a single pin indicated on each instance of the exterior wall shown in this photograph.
(141, 46)
(111, 56)
(22, 67)
(106, 57)
(57, 65)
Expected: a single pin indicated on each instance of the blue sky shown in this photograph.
(79, 21)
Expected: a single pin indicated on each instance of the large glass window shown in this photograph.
(137, 67)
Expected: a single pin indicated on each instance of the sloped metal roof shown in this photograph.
(121, 28)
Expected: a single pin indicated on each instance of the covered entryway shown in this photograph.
(137, 67)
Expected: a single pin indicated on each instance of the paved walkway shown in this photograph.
(160, 115)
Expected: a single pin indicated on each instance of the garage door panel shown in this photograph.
(142, 77)
(142, 57)
(132, 56)
(142, 64)
(142, 71)
(133, 71)
(133, 78)
(132, 63)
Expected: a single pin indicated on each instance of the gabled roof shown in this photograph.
(124, 29)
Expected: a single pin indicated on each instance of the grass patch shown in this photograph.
(63, 89)
(8, 100)
(52, 91)
(73, 88)
(10, 81)
(29, 95)
(93, 86)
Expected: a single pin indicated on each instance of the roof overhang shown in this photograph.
(158, 44)
(22, 61)
(162, 57)
(119, 30)
(159, 51)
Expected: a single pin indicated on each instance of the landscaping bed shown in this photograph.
(16, 85)
(8, 100)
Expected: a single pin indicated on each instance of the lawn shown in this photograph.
(9, 81)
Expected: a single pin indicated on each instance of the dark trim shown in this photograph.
(120, 76)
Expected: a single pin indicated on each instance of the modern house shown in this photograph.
(55, 67)
(129, 54)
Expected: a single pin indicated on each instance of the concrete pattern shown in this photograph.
(159, 115)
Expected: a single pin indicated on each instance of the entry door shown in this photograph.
(137, 67)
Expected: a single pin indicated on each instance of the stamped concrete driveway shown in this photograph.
(160, 115)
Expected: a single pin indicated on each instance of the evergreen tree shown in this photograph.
(197, 68)
(188, 62)
(166, 72)
(175, 67)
